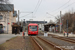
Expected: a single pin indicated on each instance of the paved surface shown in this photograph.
(4, 37)
(70, 35)
(26, 33)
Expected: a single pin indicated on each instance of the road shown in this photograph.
(4, 37)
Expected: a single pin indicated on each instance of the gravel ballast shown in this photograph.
(61, 43)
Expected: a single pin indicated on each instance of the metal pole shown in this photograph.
(44, 22)
(18, 21)
(18, 17)
(56, 27)
(44, 26)
(24, 25)
(60, 21)
(7, 22)
(67, 27)
(21, 22)
(7, 25)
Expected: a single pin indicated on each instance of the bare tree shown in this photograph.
(71, 21)
(51, 21)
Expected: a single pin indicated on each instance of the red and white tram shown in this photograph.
(33, 29)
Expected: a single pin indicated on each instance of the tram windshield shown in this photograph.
(33, 28)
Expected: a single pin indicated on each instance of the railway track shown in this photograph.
(44, 44)
(39, 47)
(63, 38)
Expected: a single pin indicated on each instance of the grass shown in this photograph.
(8, 40)
(40, 31)
(13, 43)
(11, 38)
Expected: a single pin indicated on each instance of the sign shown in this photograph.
(13, 23)
(8, 23)
(60, 23)
(56, 25)
(1, 17)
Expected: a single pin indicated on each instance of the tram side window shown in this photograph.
(33, 28)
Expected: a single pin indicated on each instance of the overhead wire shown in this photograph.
(61, 6)
(66, 7)
(26, 15)
(37, 6)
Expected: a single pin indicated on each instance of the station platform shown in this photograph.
(26, 34)
(62, 35)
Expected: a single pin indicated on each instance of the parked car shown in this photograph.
(1, 31)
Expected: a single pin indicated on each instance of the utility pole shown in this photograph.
(18, 17)
(56, 27)
(44, 22)
(24, 24)
(60, 22)
(21, 23)
(7, 25)
(67, 27)
(44, 25)
(7, 22)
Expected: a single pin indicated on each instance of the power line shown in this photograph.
(69, 5)
(61, 6)
(37, 6)
(66, 7)
(26, 15)
(50, 14)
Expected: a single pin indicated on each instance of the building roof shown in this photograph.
(6, 7)
(36, 22)
(15, 14)
(50, 24)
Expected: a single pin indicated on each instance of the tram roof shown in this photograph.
(33, 24)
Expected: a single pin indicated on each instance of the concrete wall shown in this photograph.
(4, 14)
(14, 19)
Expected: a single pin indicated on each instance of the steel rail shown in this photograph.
(55, 46)
(36, 43)
(63, 38)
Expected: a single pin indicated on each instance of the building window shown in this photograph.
(1, 17)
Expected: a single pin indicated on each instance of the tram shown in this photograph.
(33, 29)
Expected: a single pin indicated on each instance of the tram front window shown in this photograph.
(33, 28)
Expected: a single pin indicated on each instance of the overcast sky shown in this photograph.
(41, 7)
